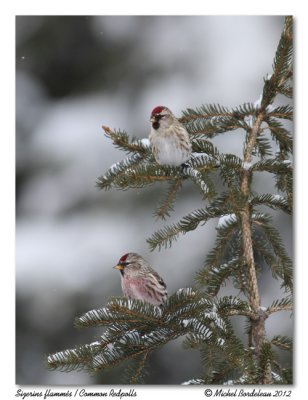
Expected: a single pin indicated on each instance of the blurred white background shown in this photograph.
(74, 74)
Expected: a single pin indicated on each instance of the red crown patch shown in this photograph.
(157, 110)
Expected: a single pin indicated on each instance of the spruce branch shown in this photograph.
(265, 365)
(224, 354)
(130, 173)
(198, 179)
(274, 166)
(284, 304)
(204, 146)
(273, 201)
(213, 278)
(282, 67)
(231, 306)
(263, 147)
(282, 112)
(210, 129)
(137, 370)
(282, 64)
(281, 135)
(283, 342)
(211, 120)
(167, 203)
(226, 246)
(70, 360)
(116, 173)
(121, 141)
(282, 268)
(121, 312)
(134, 329)
(164, 237)
(208, 111)
(258, 329)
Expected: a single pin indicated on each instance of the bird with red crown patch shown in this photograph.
(169, 139)
(140, 281)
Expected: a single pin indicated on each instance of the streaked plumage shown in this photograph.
(168, 138)
(140, 281)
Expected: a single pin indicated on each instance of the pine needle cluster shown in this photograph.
(246, 241)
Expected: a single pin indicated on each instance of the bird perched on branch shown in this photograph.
(168, 138)
(140, 281)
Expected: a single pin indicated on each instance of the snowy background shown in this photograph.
(74, 74)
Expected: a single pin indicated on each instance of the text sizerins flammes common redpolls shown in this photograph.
(140, 281)
(168, 138)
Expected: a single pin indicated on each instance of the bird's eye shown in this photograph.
(124, 264)
(159, 116)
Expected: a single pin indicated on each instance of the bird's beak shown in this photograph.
(152, 119)
(119, 267)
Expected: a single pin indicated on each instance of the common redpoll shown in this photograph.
(168, 138)
(140, 281)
